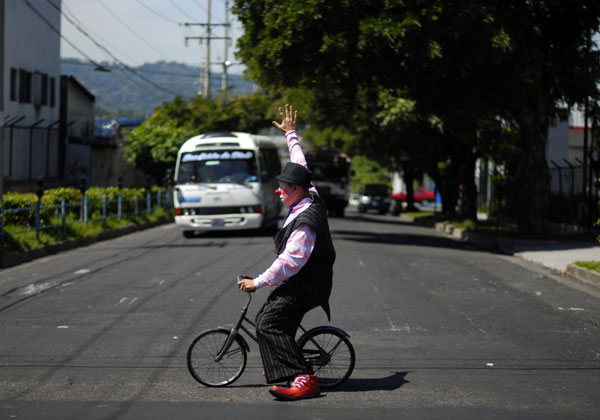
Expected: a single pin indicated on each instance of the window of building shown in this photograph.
(52, 92)
(13, 84)
(36, 88)
(24, 86)
(44, 89)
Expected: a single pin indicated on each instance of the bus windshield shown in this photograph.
(218, 166)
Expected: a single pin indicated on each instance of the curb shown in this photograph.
(503, 245)
(584, 275)
(11, 260)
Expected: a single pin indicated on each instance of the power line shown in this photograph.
(141, 85)
(66, 8)
(181, 10)
(131, 30)
(108, 52)
(47, 22)
(166, 73)
(157, 13)
(200, 6)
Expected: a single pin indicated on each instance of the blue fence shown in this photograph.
(60, 216)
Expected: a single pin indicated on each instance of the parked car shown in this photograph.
(419, 194)
(374, 197)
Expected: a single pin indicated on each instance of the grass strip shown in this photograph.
(590, 265)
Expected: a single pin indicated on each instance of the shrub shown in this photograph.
(72, 196)
(20, 201)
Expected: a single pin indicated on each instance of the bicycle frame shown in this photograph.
(235, 330)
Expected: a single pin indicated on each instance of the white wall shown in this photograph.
(30, 44)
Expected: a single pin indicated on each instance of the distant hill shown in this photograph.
(121, 92)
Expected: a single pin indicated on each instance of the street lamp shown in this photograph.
(226, 64)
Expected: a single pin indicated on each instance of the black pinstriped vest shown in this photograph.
(312, 284)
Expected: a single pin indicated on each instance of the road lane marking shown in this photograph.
(32, 289)
(405, 328)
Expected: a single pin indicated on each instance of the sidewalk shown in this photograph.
(556, 255)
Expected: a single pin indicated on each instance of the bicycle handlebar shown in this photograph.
(241, 277)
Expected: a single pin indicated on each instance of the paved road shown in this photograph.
(441, 330)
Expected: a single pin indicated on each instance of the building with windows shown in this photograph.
(29, 89)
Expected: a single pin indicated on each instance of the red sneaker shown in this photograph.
(304, 386)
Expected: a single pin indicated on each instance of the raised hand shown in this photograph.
(288, 120)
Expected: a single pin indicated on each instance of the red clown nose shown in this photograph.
(278, 191)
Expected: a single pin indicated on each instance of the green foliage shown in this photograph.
(367, 171)
(152, 147)
(52, 199)
(22, 201)
(338, 139)
(14, 243)
(427, 82)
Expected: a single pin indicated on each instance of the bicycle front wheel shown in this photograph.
(330, 353)
(202, 355)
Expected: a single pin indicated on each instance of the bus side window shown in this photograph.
(269, 163)
(275, 162)
(270, 160)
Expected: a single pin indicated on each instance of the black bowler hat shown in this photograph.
(294, 173)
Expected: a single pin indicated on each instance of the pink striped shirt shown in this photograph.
(301, 242)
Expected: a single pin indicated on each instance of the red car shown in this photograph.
(419, 194)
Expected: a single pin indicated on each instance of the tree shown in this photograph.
(469, 64)
(153, 146)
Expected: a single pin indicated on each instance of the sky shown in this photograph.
(146, 31)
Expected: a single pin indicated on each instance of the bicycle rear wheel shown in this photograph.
(201, 359)
(330, 353)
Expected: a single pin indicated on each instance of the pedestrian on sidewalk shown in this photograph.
(302, 272)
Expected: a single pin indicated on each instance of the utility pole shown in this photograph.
(207, 55)
(226, 62)
(205, 80)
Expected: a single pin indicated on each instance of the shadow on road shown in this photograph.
(401, 239)
(235, 233)
(389, 383)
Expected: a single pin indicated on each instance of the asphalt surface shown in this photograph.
(440, 328)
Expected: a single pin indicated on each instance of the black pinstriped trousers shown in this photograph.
(276, 325)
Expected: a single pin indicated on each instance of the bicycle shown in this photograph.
(217, 357)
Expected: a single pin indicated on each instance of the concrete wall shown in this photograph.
(80, 112)
(31, 45)
(108, 164)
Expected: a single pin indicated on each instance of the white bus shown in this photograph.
(226, 181)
